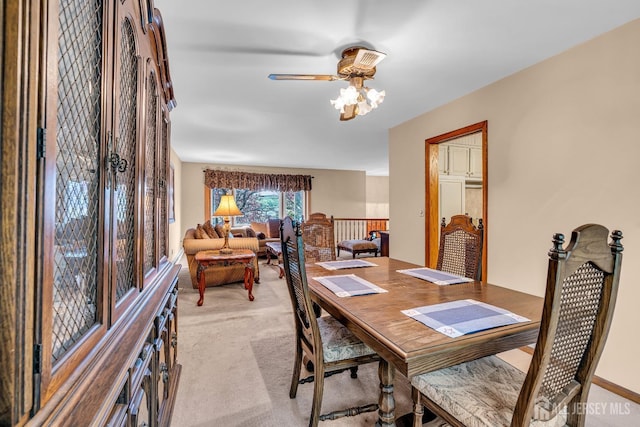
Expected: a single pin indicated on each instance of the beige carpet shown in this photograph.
(237, 359)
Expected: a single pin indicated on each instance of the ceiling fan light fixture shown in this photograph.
(357, 64)
(375, 98)
(363, 108)
(365, 99)
(350, 95)
(338, 104)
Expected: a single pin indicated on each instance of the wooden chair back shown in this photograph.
(293, 258)
(582, 285)
(319, 238)
(461, 247)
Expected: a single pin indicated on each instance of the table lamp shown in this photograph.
(227, 208)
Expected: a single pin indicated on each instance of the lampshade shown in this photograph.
(227, 206)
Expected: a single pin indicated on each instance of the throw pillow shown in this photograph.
(250, 232)
(261, 236)
(273, 226)
(208, 228)
(259, 227)
(220, 230)
(200, 233)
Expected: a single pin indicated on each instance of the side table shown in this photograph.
(275, 249)
(214, 257)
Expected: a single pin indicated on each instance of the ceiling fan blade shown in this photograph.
(349, 112)
(326, 77)
(367, 59)
(251, 50)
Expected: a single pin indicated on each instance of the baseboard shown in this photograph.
(605, 384)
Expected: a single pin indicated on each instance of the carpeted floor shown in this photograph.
(237, 359)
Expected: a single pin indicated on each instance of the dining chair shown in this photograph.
(582, 284)
(318, 237)
(324, 340)
(461, 247)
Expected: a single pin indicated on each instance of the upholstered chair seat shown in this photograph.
(482, 392)
(338, 343)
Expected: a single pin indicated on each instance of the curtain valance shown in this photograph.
(256, 181)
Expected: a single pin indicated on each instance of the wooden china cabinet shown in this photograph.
(88, 314)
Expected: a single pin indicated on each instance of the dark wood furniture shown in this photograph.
(384, 243)
(89, 294)
(358, 246)
(215, 257)
(312, 332)
(319, 238)
(582, 283)
(461, 247)
(409, 346)
(274, 249)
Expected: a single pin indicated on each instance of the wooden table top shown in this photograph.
(215, 255)
(409, 345)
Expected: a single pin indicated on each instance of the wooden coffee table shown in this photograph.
(214, 257)
(275, 249)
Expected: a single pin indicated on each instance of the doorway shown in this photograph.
(467, 176)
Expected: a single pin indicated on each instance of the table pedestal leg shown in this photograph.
(386, 403)
(248, 281)
(417, 408)
(281, 271)
(201, 284)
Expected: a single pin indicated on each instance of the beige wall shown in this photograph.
(563, 151)
(377, 197)
(334, 192)
(175, 230)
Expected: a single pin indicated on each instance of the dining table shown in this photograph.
(406, 345)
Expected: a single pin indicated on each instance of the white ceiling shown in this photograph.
(229, 112)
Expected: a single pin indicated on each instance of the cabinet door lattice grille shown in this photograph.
(150, 176)
(163, 206)
(77, 172)
(126, 149)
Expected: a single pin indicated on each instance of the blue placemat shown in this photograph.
(349, 285)
(462, 317)
(435, 276)
(349, 263)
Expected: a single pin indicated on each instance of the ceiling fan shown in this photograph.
(356, 65)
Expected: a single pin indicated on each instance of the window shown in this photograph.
(259, 206)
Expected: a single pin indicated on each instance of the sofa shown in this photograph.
(200, 239)
(265, 232)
